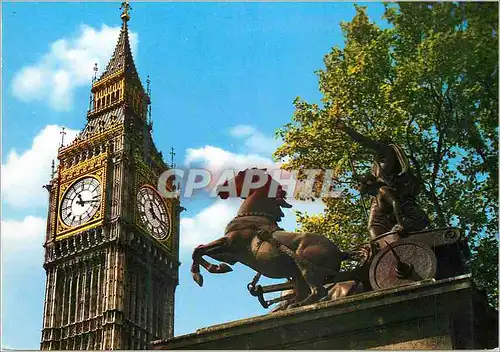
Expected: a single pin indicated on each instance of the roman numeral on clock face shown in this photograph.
(81, 201)
(153, 213)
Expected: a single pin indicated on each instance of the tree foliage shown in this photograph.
(429, 82)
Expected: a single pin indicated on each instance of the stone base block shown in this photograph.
(445, 314)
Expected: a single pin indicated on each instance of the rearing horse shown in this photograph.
(254, 239)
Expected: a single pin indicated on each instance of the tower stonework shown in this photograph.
(112, 240)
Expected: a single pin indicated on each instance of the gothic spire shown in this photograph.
(122, 57)
(119, 84)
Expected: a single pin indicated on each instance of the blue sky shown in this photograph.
(214, 67)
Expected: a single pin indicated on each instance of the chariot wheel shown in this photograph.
(401, 263)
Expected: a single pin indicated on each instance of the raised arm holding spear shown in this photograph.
(392, 186)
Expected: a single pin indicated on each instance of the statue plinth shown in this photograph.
(443, 314)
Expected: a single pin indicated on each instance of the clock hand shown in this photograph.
(89, 201)
(151, 209)
(80, 200)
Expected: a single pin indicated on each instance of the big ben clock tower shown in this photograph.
(111, 249)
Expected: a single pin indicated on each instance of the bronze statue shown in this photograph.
(392, 186)
(311, 262)
(254, 239)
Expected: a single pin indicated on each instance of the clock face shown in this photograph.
(153, 212)
(81, 201)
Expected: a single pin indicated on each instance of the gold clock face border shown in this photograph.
(63, 230)
(66, 193)
(168, 238)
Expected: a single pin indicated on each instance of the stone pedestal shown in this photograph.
(445, 314)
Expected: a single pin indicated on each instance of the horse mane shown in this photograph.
(279, 194)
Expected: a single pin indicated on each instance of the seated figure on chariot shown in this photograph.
(393, 188)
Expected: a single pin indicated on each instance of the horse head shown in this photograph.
(261, 192)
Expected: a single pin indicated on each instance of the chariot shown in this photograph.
(394, 260)
(310, 262)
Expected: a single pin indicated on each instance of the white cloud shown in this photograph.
(216, 159)
(208, 224)
(26, 235)
(254, 140)
(24, 174)
(22, 280)
(256, 152)
(24, 230)
(242, 130)
(67, 65)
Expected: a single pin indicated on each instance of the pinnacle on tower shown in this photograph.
(126, 8)
(119, 83)
(122, 56)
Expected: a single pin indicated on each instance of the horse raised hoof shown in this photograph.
(198, 279)
(224, 268)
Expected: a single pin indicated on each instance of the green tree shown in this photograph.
(429, 82)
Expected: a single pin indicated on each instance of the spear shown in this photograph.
(355, 176)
